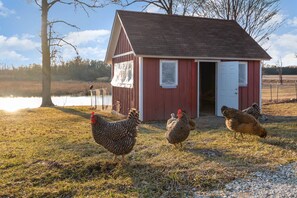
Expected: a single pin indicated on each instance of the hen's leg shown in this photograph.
(181, 145)
(241, 135)
(123, 159)
(235, 134)
(115, 158)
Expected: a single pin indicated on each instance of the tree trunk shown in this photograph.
(46, 61)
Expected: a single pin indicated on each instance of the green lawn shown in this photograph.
(49, 152)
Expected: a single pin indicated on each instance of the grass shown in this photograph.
(49, 152)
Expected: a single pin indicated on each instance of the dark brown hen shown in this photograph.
(117, 137)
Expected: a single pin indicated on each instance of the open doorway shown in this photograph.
(207, 82)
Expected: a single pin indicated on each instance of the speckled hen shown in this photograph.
(118, 137)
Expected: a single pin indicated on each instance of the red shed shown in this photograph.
(164, 62)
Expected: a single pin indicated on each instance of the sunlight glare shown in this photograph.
(13, 104)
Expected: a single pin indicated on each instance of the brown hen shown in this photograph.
(178, 129)
(242, 122)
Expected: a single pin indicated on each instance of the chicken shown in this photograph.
(178, 129)
(242, 122)
(117, 137)
(171, 121)
(254, 110)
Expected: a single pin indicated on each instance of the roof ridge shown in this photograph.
(176, 15)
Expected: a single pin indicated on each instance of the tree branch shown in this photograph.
(61, 21)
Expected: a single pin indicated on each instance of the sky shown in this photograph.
(20, 22)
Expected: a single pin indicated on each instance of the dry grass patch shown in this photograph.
(49, 152)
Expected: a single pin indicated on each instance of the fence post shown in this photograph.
(102, 94)
(91, 98)
(270, 92)
(277, 86)
(296, 88)
(95, 98)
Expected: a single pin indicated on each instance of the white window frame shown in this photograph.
(245, 83)
(176, 74)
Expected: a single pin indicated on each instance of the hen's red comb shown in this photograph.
(93, 120)
(179, 111)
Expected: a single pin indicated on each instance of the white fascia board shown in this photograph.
(114, 36)
(199, 58)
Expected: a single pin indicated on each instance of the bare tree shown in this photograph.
(50, 40)
(181, 7)
(280, 70)
(259, 18)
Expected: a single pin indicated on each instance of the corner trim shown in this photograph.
(140, 88)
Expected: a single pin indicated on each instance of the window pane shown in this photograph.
(168, 73)
(242, 74)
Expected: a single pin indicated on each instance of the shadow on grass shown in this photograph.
(282, 136)
(144, 179)
(74, 112)
(83, 114)
(279, 119)
(228, 159)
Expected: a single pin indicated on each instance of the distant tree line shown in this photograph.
(77, 69)
(274, 70)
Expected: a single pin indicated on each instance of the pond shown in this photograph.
(15, 103)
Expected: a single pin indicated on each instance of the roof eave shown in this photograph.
(200, 58)
(115, 32)
(113, 39)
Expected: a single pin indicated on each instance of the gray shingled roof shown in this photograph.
(184, 36)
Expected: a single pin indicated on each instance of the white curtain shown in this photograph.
(123, 74)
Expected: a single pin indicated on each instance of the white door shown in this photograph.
(227, 85)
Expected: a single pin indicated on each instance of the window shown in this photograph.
(168, 73)
(243, 74)
(123, 74)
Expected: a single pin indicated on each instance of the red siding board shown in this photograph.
(123, 44)
(250, 94)
(194, 89)
(158, 102)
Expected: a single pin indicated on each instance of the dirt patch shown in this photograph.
(210, 122)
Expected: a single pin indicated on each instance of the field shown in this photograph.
(49, 152)
(272, 91)
(59, 88)
(275, 78)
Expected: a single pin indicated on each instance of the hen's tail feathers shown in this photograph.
(192, 124)
(134, 115)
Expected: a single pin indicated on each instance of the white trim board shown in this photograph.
(211, 59)
(260, 88)
(140, 94)
(123, 54)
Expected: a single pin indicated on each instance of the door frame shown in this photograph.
(198, 82)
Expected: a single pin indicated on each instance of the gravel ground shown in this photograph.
(281, 183)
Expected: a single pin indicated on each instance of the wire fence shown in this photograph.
(276, 92)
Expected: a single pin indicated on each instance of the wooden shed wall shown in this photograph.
(128, 97)
(123, 45)
(158, 102)
(251, 93)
